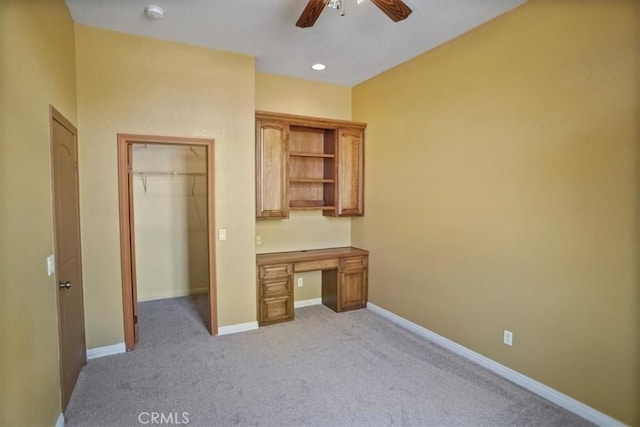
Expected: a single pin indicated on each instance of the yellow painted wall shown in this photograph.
(502, 193)
(303, 230)
(170, 221)
(37, 68)
(303, 97)
(133, 84)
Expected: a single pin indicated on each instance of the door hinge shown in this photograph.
(135, 318)
(129, 168)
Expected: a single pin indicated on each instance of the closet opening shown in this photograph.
(167, 230)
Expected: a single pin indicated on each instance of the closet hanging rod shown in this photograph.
(169, 173)
(145, 175)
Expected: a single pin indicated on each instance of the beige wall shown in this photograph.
(170, 219)
(139, 85)
(502, 194)
(303, 97)
(37, 68)
(303, 230)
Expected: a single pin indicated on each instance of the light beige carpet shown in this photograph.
(323, 369)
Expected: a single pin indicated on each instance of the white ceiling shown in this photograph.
(355, 47)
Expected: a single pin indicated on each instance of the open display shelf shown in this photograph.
(312, 168)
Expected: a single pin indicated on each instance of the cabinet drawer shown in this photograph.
(276, 286)
(323, 264)
(275, 270)
(353, 263)
(276, 309)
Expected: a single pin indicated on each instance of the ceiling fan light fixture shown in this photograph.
(154, 12)
(318, 67)
(334, 4)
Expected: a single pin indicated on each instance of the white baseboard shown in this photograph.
(59, 421)
(240, 327)
(250, 326)
(107, 350)
(307, 302)
(530, 384)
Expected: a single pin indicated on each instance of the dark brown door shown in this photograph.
(66, 213)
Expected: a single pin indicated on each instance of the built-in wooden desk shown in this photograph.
(344, 280)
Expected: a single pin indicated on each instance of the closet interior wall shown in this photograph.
(170, 220)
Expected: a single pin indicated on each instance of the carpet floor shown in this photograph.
(323, 369)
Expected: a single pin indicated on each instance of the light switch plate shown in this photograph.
(222, 234)
(51, 265)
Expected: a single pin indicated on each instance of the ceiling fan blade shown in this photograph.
(394, 9)
(311, 13)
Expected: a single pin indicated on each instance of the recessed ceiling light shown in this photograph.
(318, 67)
(154, 12)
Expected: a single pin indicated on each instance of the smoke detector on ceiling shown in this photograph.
(154, 12)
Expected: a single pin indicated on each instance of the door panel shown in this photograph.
(350, 172)
(66, 212)
(353, 290)
(271, 170)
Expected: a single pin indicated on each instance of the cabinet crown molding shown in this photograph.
(306, 121)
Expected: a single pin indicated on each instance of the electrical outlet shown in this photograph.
(508, 338)
(258, 240)
(222, 234)
(300, 282)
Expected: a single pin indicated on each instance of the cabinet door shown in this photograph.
(271, 170)
(276, 309)
(352, 293)
(350, 161)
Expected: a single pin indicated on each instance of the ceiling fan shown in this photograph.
(397, 10)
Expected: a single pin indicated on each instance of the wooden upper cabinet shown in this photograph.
(271, 169)
(307, 163)
(350, 167)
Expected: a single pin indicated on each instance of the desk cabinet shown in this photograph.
(344, 280)
(275, 293)
(352, 285)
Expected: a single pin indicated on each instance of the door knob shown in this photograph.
(65, 285)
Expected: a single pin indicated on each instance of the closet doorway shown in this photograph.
(135, 172)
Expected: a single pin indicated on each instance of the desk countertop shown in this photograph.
(309, 255)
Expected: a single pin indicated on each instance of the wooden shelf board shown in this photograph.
(312, 180)
(309, 205)
(319, 155)
(311, 208)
